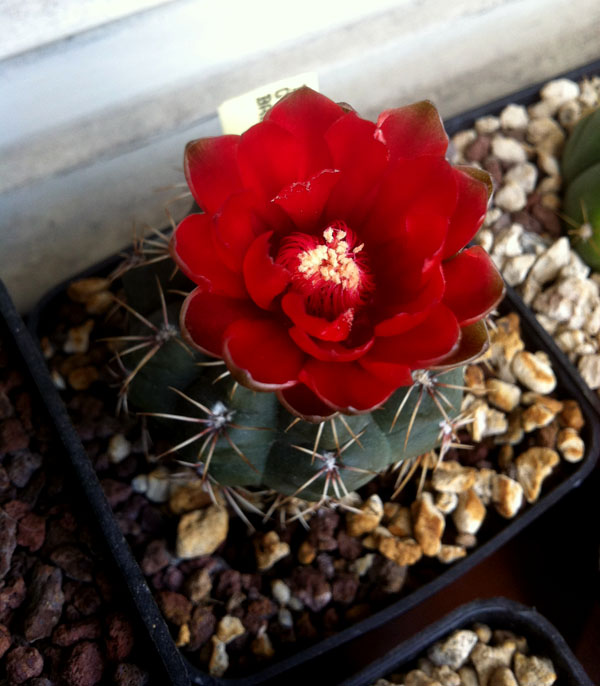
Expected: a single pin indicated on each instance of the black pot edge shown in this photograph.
(568, 375)
(143, 601)
(502, 612)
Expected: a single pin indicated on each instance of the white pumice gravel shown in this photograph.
(522, 230)
(477, 657)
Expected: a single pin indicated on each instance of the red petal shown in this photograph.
(362, 161)
(307, 114)
(205, 316)
(473, 285)
(244, 217)
(346, 386)
(211, 170)
(327, 351)
(425, 234)
(261, 355)
(303, 201)
(193, 248)
(469, 213)
(409, 314)
(474, 341)
(422, 345)
(338, 330)
(412, 131)
(301, 401)
(423, 184)
(270, 159)
(265, 279)
(398, 374)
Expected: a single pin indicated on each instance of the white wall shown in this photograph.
(92, 124)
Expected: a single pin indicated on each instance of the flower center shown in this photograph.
(333, 272)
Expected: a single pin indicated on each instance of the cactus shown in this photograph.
(581, 175)
(322, 295)
(247, 438)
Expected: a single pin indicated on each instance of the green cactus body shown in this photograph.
(581, 174)
(247, 438)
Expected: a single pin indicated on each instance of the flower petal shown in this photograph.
(350, 139)
(346, 386)
(205, 316)
(425, 184)
(473, 285)
(303, 201)
(337, 330)
(328, 351)
(211, 170)
(474, 341)
(307, 114)
(302, 402)
(260, 354)
(270, 159)
(422, 345)
(412, 131)
(402, 316)
(193, 249)
(473, 193)
(264, 278)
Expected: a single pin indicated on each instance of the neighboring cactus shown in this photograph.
(581, 176)
(369, 373)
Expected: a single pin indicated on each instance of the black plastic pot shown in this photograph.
(499, 613)
(571, 386)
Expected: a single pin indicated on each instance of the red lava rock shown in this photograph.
(322, 530)
(127, 674)
(23, 663)
(16, 509)
(65, 635)
(478, 150)
(116, 492)
(311, 587)
(229, 583)
(73, 561)
(8, 541)
(350, 547)
(258, 612)
(13, 436)
(156, 557)
(119, 641)
(84, 666)
(22, 465)
(45, 604)
(31, 531)
(344, 588)
(493, 166)
(86, 600)
(12, 596)
(5, 639)
(175, 606)
(549, 220)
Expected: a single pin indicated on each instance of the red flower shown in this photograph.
(329, 260)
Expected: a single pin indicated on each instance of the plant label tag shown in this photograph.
(240, 113)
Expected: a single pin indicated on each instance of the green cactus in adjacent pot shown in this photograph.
(581, 176)
(329, 300)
